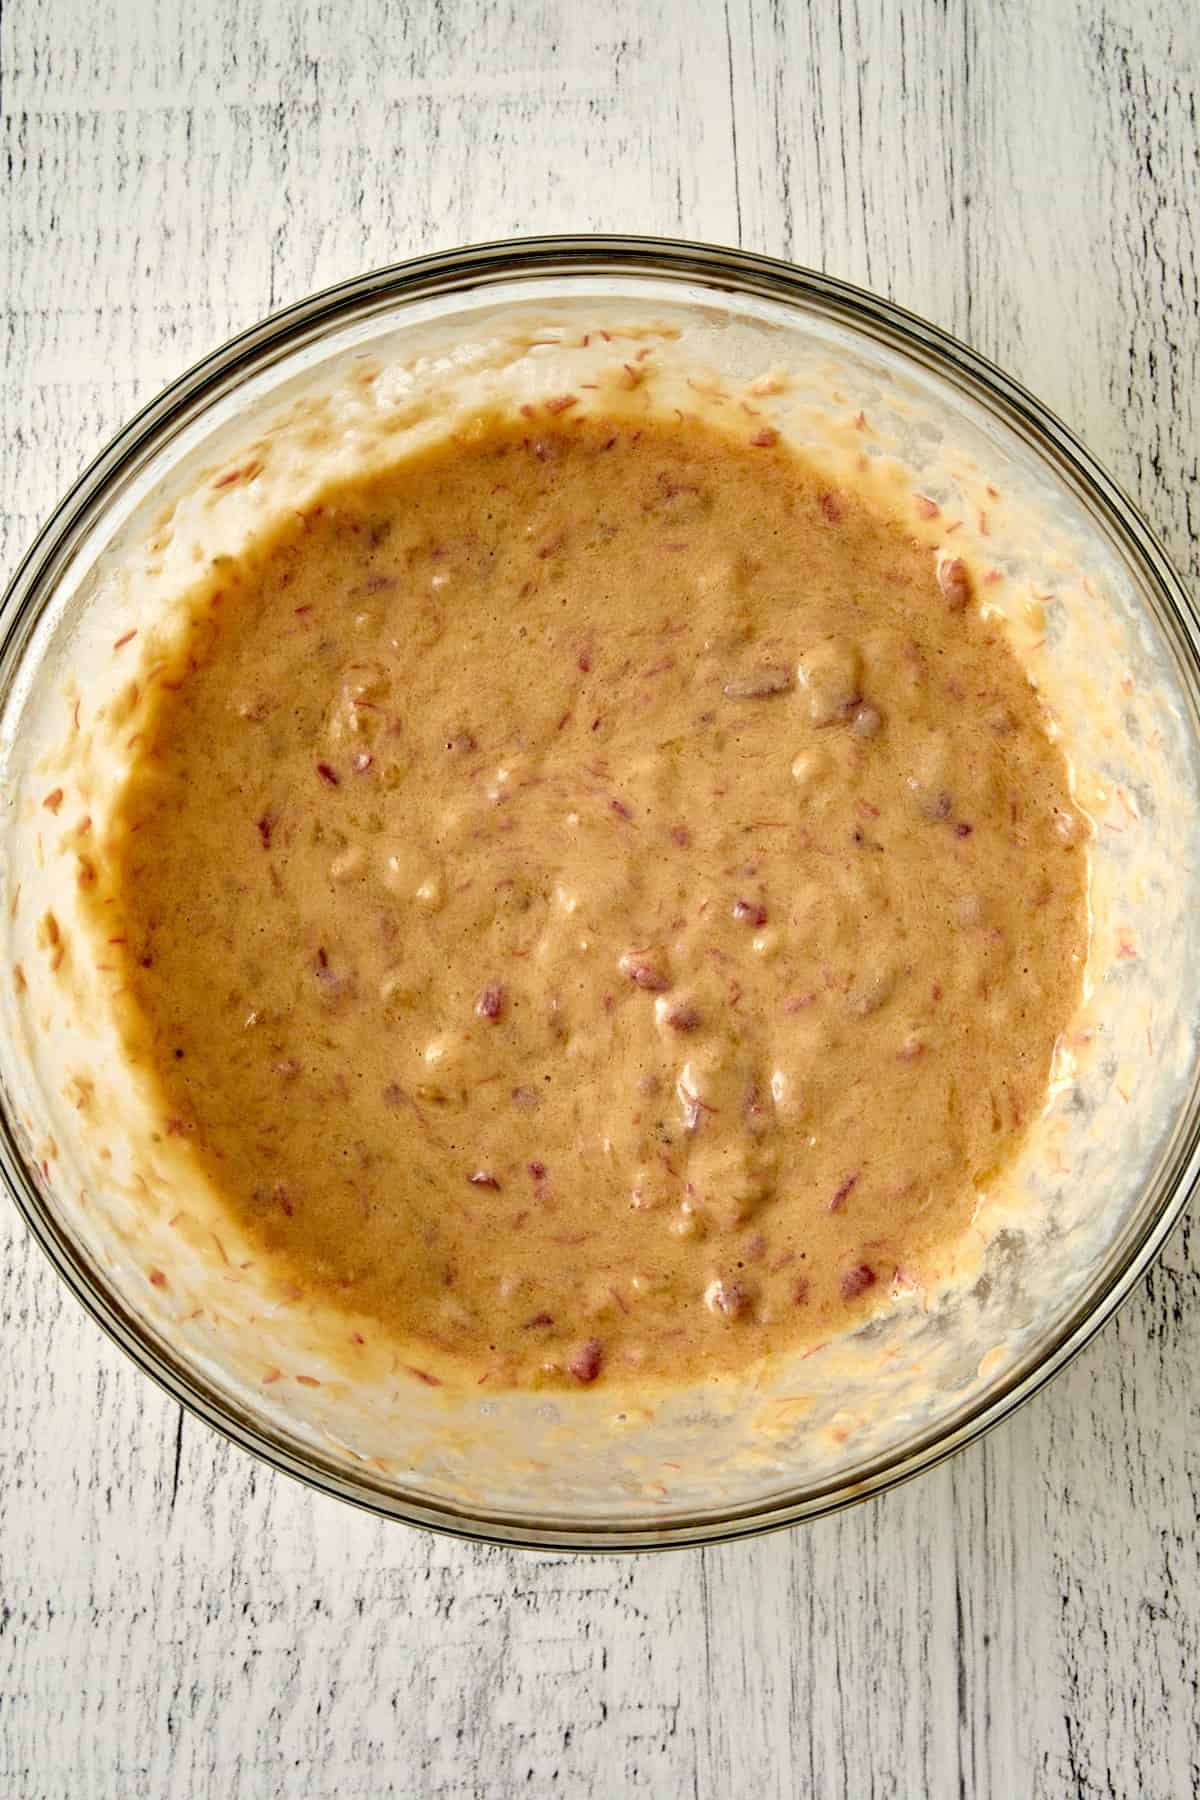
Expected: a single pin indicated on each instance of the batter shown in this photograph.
(599, 901)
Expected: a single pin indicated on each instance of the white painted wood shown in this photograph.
(176, 1621)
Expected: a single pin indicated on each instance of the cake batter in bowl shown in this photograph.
(600, 889)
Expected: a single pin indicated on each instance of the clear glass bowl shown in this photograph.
(1120, 664)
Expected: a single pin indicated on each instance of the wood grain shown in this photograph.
(176, 1621)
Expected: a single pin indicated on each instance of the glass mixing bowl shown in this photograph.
(1109, 1168)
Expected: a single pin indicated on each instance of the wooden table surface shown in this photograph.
(174, 1619)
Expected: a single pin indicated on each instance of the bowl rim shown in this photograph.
(463, 270)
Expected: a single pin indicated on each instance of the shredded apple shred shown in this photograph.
(601, 900)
